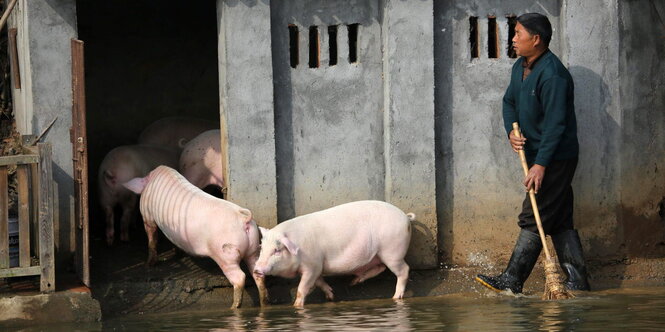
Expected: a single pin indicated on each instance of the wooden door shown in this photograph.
(80, 156)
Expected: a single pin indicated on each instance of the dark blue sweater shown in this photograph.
(543, 105)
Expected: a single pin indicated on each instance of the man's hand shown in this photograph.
(516, 142)
(534, 178)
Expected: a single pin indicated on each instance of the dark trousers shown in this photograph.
(555, 200)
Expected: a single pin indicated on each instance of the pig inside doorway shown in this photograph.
(144, 60)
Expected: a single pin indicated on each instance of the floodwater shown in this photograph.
(636, 309)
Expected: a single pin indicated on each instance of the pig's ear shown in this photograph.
(136, 184)
(290, 246)
(246, 215)
(263, 231)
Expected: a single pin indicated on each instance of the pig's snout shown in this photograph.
(259, 273)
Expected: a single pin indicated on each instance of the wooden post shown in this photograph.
(13, 58)
(34, 218)
(46, 252)
(80, 156)
(4, 219)
(23, 216)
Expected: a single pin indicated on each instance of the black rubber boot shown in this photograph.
(571, 258)
(524, 257)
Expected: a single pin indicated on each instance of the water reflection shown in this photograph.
(627, 309)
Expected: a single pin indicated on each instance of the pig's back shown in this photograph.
(187, 216)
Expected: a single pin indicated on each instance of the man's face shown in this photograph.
(524, 43)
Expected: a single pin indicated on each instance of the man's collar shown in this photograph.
(526, 64)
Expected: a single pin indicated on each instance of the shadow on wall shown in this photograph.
(597, 179)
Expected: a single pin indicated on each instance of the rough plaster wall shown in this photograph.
(591, 30)
(246, 95)
(479, 191)
(642, 74)
(51, 25)
(408, 121)
(144, 60)
(329, 119)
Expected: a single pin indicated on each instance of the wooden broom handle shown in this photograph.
(532, 194)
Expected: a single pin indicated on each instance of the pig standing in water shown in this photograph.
(175, 131)
(119, 166)
(359, 238)
(199, 224)
(201, 160)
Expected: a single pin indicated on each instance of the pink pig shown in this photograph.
(201, 160)
(360, 238)
(199, 224)
(119, 166)
(175, 131)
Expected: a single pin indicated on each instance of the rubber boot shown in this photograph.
(524, 257)
(571, 258)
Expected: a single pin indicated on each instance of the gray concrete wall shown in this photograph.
(329, 119)
(246, 105)
(408, 124)
(46, 28)
(592, 44)
(641, 49)
(479, 191)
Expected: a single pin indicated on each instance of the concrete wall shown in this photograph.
(45, 30)
(641, 51)
(246, 105)
(329, 129)
(342, 132)
(408, 75)
(592, 46)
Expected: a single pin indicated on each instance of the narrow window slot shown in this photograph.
(473, 36)
(492, 38)
(314, 47)
(353, 43)
(293, 45)
(512, 21)
(332, 45)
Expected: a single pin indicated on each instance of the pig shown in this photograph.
(174, 132)
(201, 160)
(361, 238)
(199, 224)
(119, 166)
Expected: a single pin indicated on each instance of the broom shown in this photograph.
(554, 288)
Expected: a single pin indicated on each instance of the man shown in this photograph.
(540, 99)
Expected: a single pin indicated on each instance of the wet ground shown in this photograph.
(627, 309)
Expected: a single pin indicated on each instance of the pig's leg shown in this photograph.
(307, 281)
(127, 215)
(108, 212)
(325, 288)
(401, 270)
(228, 258)
(151, 231)
(369, 273)
(260, 281)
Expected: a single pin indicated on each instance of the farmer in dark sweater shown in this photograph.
(540, 99)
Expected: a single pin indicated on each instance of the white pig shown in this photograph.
(201, 160)
(359, 238)
(120, 165)
(175, 131)
(199, 224)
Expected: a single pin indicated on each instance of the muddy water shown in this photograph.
(613, 310)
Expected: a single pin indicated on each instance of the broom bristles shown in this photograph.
(554, 288)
